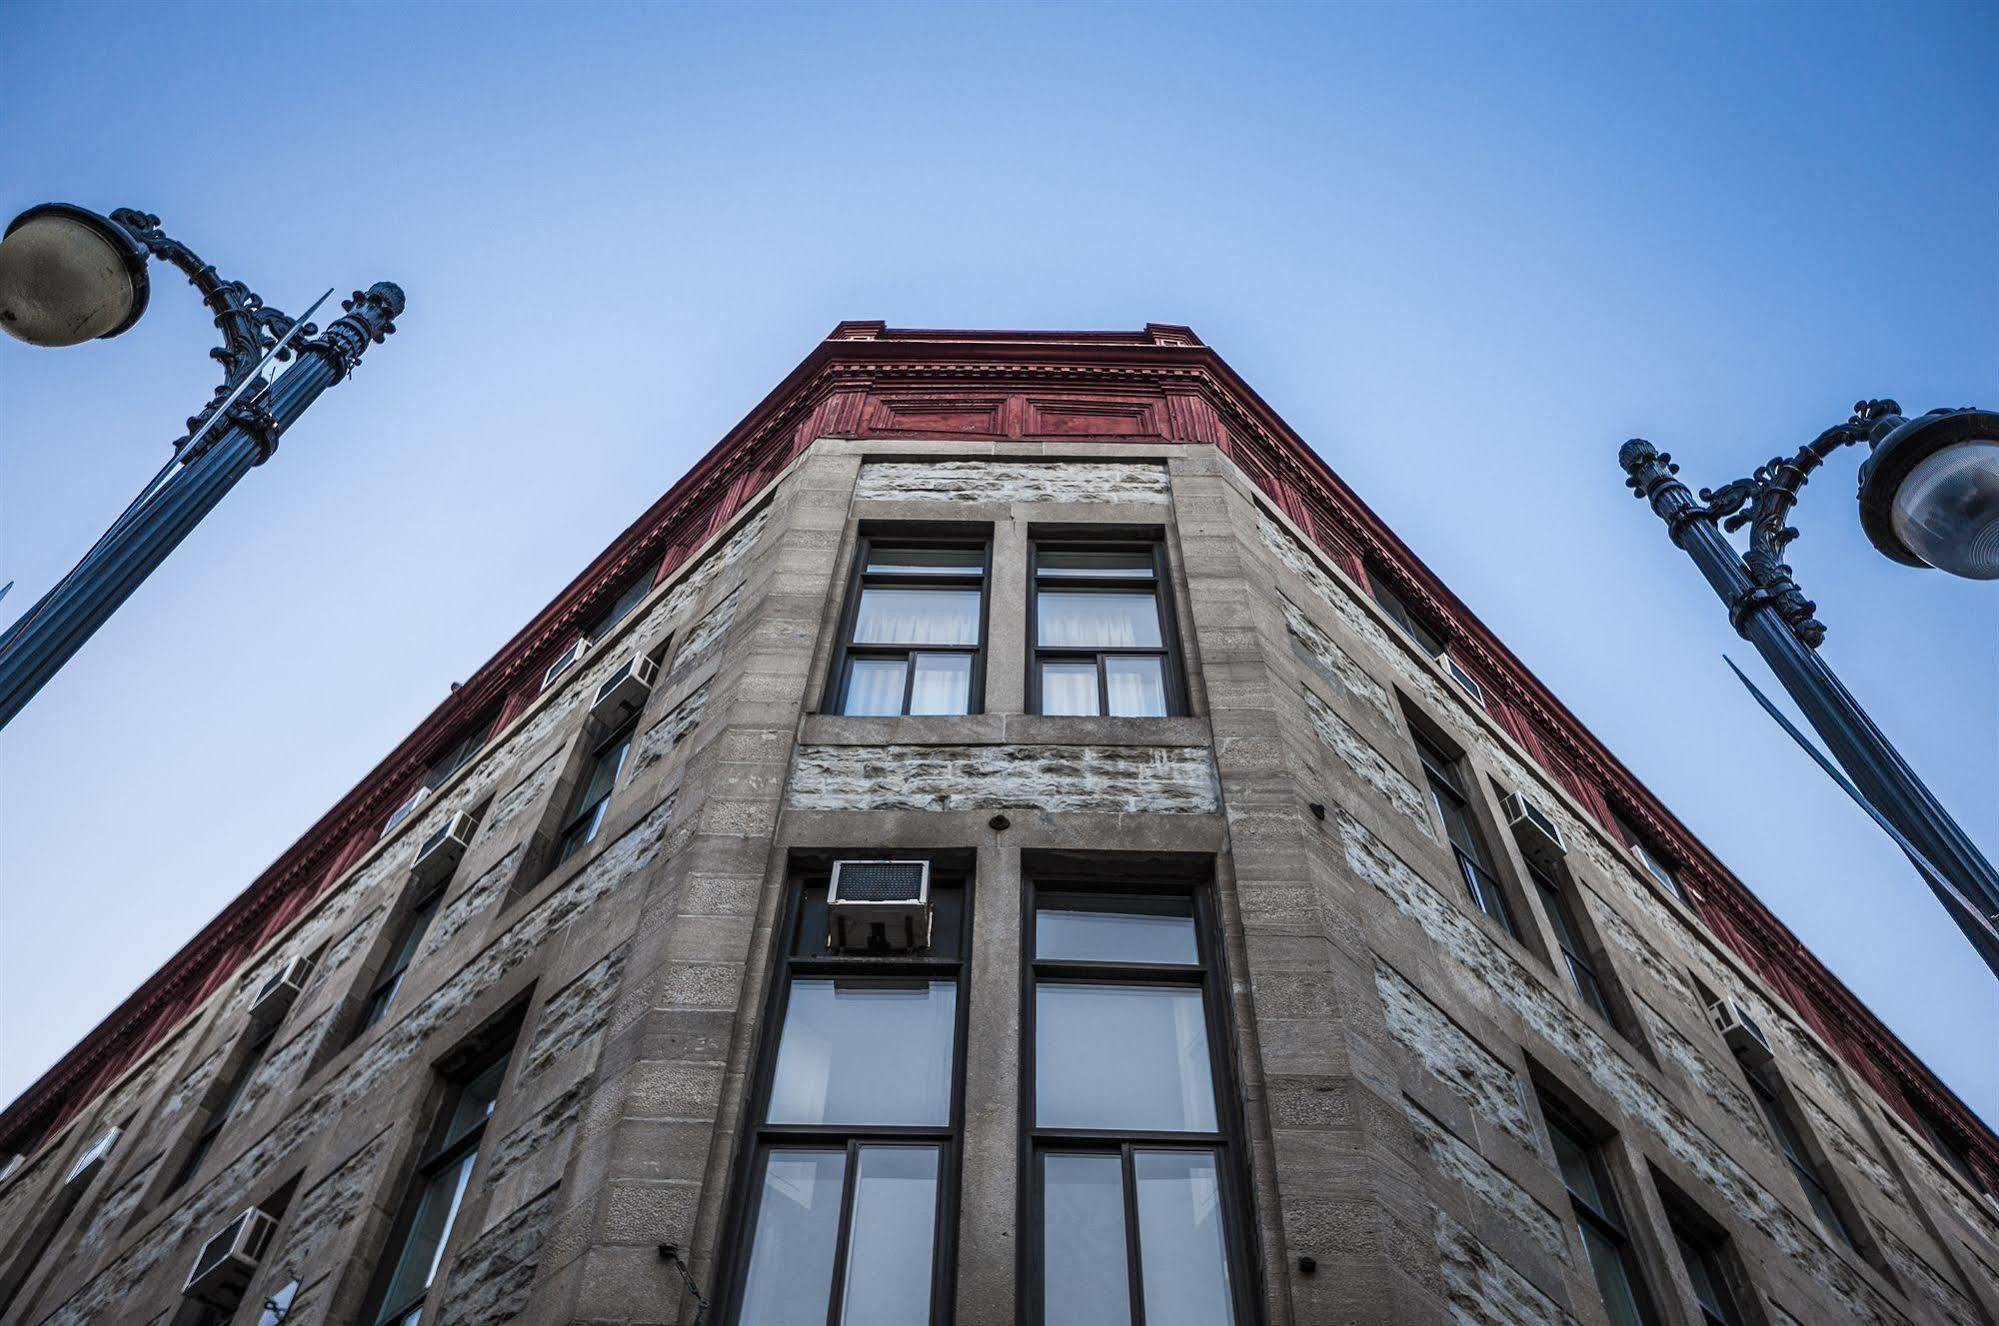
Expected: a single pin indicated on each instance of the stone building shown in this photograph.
(1290, 954)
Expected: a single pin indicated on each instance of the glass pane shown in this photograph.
(1084, 1270)
(1572, 1155)
(475, 1102)
(423, 1246)
(790, 1280)
(927, 561)
(866, 1053)
(891, 1237)
(1613, 1277)
(874, 687)
(1075, 620)
(1137, 687)
(1078, 932)
(1182, 1259)
(1073, 562)
(1069, 689)
(917, 617)
(1708, 1291)
(1125, 1057)
(943, 684)
(604, 770)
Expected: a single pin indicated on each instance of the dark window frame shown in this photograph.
(495, 1046)
(1445, 775)
(1160, 585)
(1766, 1087)
(761, 1138)
(1398, 610)
(256, 1047)
(861, 578)
(579, 810)
(1701, 1245)
(1589, 1215)
(410, 932)
(1572, 945)
(1229, 1144)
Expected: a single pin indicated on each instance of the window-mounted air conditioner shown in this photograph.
(1744, 1037)
(403, 811)
(223, 1269)
(439, 853)
(278, 991)
(882, 905)
(577, 649)
(87, 1164)
(1540, 838)
(1465, 679)
(624, 691)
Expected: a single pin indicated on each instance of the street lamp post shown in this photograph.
(68, 275)
(1929, 497)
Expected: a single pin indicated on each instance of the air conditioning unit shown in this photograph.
(440, 853)
(100, 1150)
(624, 691)
(577, 649)
(1744, 1037)
(1540, 838)
(402, 812)
(223, 1269)
(879, 905)
(1465, 679)
(275, 996)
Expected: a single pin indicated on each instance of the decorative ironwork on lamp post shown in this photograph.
(68, 275)
(1929, 496)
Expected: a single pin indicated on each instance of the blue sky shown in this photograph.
(1466, 251)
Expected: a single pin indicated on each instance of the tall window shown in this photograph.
(1764, 1085)
(1100, 631)
(1392, 604)
(437, 1192)
(592, 798)
(1445, 775)
(409, 936)
(253, 1054)
(915, 630)
(1654, 866)
(846, 1214)
(1601, 1220)
(1701, 1254)
(1582, 971)
(1132, 1166)
(619, 608)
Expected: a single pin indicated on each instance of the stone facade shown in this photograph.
(1392, 1045)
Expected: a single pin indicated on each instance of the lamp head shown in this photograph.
(1929, 493)
(68, 275)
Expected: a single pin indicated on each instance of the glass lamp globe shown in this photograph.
(68, 275)
(1929, 495)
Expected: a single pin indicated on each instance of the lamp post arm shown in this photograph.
(249, 326)
(1756, 599)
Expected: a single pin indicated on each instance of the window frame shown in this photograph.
(1475, 870)
(1572, 946)
(439, 1151)
(1590, 1142)
(410, 932)
(1695, 1241)
(1398, 610)
(256, 1048)
(573, 817)
(862, 579)
(1794, 1147)
(1228, 1144)
(760, 1138)
(1159, 585)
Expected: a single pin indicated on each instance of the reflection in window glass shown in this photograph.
(1117, 565)
(1136, 686)
(917, 617)
(890, 1238)
(927, 561)
(1069, 689)
(1097, 620)
(436, 1211)
(1127, 1057)
(1181, 1259)
(791, 1252)
(1085, 1281)
(874, 1052)
(1075, 933)
(943, 684)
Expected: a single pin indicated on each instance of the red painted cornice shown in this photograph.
(1158, 384)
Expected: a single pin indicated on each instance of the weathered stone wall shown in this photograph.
(1390, 1043)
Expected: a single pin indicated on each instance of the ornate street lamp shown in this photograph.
(67, 276)
(1929, 497)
